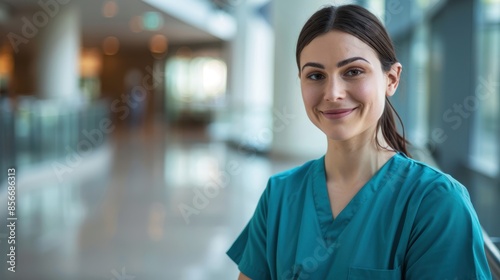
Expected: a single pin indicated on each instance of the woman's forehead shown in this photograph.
(336, 45)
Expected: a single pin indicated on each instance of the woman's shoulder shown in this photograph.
(428, 180)
(295, 182)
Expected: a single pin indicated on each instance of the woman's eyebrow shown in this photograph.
(339, 64)
(349, 60)
(313, 64)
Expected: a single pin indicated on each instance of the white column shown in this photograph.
(59, 55)
(250, 82)
(294, 134)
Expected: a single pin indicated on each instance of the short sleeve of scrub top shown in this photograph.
(409, 221)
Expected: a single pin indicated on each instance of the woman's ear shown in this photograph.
(393, 76)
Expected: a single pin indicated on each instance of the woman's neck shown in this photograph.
(355, 161)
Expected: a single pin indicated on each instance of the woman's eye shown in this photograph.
(353, 72)
(315, 77)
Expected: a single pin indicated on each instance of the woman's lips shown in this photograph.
(337, 113)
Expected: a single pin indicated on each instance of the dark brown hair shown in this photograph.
(361, 23)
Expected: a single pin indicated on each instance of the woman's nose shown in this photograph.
(334, 90)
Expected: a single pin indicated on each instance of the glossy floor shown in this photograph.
(151, 204)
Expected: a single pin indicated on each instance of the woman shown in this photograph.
(364, 210)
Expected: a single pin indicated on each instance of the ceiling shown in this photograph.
(96, 27)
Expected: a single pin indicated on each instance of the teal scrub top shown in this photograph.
(409, 221)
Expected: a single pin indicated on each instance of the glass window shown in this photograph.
(195, 86)
(486, 152)
(418, 130)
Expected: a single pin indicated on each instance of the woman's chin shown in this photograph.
(339, 137)
(334, 134)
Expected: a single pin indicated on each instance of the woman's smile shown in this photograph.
(336, 114)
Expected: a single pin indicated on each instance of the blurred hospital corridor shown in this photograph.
(136, 137)
(119, 212)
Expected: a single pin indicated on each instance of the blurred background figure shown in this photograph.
(143, 132)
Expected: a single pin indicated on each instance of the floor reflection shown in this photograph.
(165, 205)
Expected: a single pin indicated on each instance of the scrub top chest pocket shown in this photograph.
(356, 273)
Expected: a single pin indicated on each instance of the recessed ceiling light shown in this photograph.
(158, 44)
(109, 9)
(111, 45)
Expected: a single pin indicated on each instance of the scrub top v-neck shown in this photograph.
(409, 221)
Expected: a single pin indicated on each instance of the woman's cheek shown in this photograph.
(364, 92)
(309, 96)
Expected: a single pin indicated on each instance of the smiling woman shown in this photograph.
(347, 86)
(371, 210)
